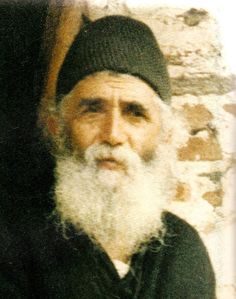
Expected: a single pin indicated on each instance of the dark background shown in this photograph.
(25, 165)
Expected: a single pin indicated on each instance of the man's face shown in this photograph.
(116, 110)
(113, 165)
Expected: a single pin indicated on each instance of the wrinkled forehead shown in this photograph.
(109, 85)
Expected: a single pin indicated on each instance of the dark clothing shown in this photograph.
(42, 263)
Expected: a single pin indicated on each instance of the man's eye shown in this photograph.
(93, 108)
(136, 111)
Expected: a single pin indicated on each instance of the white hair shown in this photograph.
(112, 207)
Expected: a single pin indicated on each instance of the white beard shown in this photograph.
(122, 208)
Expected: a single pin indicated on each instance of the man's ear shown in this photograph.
(52, 123)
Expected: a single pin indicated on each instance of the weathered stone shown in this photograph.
(198, 148)
(215, 176)
(231, 108)
(198, 116)
(215, 198)
(194, 16)
(194, 53)
(197, 48)
(182, 192)
(210, 84)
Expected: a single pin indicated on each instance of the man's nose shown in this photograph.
(113, 131)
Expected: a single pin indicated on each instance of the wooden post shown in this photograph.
(63, 22)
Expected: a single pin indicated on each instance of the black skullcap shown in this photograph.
(115, 43)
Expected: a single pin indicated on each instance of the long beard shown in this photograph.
(122, 208)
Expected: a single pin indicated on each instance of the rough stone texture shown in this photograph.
(206, 84)
(231, 108)
(183, 192)
(197, 116)
(214, 197)
(215, 176)
(223, 123)
(198, 148)
(194, 16)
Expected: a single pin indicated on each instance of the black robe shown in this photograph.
(39, 262)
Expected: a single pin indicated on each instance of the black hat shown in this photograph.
(115, 43)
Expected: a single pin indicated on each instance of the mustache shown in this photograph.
(121, 154)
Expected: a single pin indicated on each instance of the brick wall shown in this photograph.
(203, 94)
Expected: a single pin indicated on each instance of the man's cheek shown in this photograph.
(84, 136)
(148, 152)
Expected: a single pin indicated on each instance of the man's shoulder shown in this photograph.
(183, 244)
(177, 226)
(186, 262)
(180, 236)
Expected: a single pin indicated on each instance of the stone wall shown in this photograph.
(203, 94)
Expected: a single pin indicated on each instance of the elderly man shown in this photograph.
(112, 137)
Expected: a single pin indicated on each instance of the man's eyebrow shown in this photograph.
(136, 104)
(85, 102)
